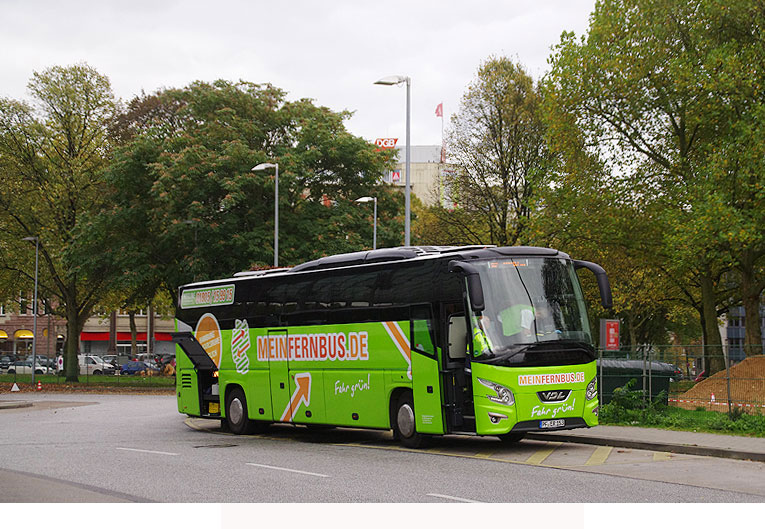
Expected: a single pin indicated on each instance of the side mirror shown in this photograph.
(603, 284)
(475, 290)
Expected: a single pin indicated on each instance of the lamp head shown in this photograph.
(364, 199)
(264, 166)
(392, 80)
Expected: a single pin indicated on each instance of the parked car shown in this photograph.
(112, 360)
(94, 365)
(134, 367)
(43, 360)
(23, 367)
(5, 362)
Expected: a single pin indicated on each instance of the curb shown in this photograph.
(695, 450)
(13, 404)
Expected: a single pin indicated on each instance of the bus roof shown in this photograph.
(402, 253)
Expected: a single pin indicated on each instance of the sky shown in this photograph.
(331, 52)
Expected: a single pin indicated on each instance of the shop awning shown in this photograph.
(23, 333)
(3, 335)
(122, 336)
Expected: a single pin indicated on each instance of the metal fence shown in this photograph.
(678, 374)
(683, 376)
(158, 376)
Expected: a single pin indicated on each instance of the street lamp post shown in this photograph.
(390, 81)
(34, 310)
(262, 167)
(374, 236)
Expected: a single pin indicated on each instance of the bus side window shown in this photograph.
(422, 332)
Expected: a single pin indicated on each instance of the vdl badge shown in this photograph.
(555, 423)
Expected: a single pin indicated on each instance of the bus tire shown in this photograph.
(236, 412)
(404, 426)
(512, 437)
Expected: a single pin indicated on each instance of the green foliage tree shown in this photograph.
(646, 89)
(188, 207)
(52, 157)
(497, 143)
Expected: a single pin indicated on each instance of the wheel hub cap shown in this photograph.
(406, 420)
(235, 411)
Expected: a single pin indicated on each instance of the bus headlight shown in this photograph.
(503, 394)
(592, 389)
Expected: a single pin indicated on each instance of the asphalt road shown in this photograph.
(138, 448)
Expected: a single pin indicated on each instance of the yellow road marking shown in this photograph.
(599, 456)
(484, 455)
(662, 456)
(541, 455)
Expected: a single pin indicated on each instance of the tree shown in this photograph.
(188, 207)
(52, 158)
(653, 90)
(497, 142)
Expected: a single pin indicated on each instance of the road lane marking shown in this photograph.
(148, 451)
(662, 456)
(454, 498)
(599, 456)
(289, 470)
(541, 455)
(484, 455)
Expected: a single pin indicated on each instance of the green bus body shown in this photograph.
(379, 339)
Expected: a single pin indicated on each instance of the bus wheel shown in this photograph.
(236, 412)
(512, 437)
(404, 427)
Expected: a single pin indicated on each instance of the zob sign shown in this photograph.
(609, 335)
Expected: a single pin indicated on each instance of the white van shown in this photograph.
(94, 365)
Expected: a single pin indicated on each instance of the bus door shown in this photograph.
(456, 364)
(426, 382)
(278, 368)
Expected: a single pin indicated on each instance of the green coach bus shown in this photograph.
(423, 340)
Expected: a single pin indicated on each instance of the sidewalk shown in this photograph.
(693, 443)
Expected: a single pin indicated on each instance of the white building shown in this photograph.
(428, 172)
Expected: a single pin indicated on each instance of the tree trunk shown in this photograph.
(133, 335)
(713, 352)
(633, 335)
(150, 331)
(72, 347)
(112, 347)
(751, 289)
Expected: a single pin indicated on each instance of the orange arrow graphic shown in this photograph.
(302, 394)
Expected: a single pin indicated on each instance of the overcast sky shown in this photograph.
(330, 51)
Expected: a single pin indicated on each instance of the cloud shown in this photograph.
(329, 51)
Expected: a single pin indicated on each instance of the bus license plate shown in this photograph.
(555, 423)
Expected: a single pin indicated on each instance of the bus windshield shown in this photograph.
(532, 305)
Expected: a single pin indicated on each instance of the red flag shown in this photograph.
(440, 110)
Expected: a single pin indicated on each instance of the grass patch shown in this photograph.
(116, 381)
(628, 409)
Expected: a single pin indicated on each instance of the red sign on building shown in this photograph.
(386, 143)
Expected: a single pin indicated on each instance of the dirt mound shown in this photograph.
(747, 388)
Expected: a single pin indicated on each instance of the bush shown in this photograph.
(628, 407)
